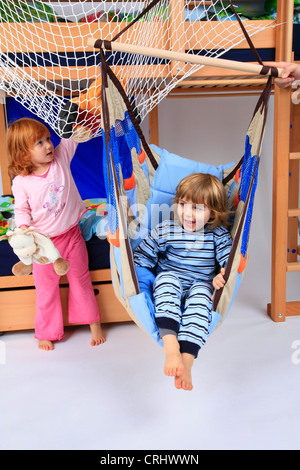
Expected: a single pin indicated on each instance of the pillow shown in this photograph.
(171, 170)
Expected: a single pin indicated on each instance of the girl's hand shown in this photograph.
(218, 280)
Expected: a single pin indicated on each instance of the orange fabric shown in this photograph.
(243, 264)
(236, 200)
(237, 175)
(129, 183)
(142, 156)
(113, 239)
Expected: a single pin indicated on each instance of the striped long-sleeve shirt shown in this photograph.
(192, 255)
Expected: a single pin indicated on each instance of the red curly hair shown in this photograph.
(20, 139)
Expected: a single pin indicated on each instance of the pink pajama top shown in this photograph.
(50, 202)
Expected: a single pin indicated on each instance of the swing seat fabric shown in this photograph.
(140, 178)
(171, 169)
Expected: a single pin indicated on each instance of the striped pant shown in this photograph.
(184, 309)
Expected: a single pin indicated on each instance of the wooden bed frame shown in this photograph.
(17, 295)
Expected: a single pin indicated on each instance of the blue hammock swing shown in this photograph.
(139, 176)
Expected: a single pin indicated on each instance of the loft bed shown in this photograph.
(18, 294)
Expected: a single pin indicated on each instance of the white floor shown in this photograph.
(245, 396)
(246, 379)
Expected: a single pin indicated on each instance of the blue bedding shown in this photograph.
(98, 251)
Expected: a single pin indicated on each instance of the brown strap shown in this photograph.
(251, 45)
(233, 172)
(265, 69)
(133, 119)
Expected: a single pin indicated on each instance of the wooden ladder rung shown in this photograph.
(292, 308)
(294, 155)
(292, 267)
(294, 213)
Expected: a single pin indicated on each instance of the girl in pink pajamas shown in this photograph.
(46, 198)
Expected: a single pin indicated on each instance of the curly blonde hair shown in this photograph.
(202, 188)
(20, 139)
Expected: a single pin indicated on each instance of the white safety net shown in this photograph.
(46, 64)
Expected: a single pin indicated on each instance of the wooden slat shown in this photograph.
(222, 82)
(61, 37)
(50, 37)
(292, 267)
(215, 92)
(214, 34)
(20, 315)
(293, 308)
(294, 213)
(294, 155)
(12, 282)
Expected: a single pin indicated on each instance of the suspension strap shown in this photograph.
(265, 69)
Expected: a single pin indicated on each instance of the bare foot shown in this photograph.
(97, 335)
(185, 380)
(46, 345)
(173, 361)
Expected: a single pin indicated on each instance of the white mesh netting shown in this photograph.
(45, 62)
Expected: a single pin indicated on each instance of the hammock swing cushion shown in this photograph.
(145, 177)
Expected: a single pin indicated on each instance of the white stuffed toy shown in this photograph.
(31, 246)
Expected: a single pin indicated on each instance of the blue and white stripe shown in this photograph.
(191, 255)
(185, 264)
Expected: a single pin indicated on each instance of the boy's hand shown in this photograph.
(218, 280)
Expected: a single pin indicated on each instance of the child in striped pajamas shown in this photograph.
(185, 253)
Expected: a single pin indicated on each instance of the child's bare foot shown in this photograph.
(97, 335)
(173, 361)
(46, 345)
(185, 380)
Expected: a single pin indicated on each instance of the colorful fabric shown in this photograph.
(94, 221)
(6, 212)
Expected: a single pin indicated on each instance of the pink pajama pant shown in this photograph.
(82, 304)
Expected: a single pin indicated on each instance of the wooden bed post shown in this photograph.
(3, 156)
(282, 120)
